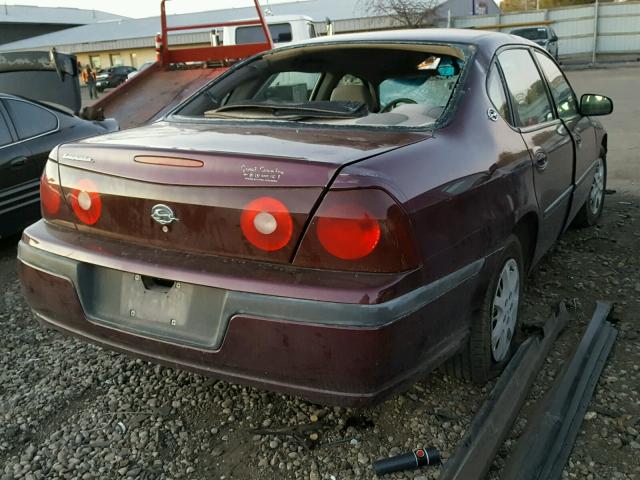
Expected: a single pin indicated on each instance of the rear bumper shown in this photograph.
(332, 353)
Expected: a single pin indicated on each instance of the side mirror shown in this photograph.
(592, 105)
(554, 38)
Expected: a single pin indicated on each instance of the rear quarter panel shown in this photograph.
(465, 189)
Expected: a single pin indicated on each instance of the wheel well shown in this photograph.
(527, 232)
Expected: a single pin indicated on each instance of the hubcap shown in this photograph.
(597, 189)
(504, 312)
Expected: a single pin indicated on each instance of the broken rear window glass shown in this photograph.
(408, 85)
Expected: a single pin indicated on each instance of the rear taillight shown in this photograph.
(267, 224)
(50, 193)
(52, 201)
(359, 230)
(348, 231)
(86, 202)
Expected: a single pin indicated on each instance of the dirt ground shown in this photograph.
(72, 410)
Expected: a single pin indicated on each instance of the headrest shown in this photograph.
(353, 93)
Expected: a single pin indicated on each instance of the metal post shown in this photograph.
(449, 18)
(263, 22)
(595, 33)
(164, 46)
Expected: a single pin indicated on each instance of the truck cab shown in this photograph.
(284, 29)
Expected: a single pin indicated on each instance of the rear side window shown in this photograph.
(561, 91)
(526, 87)
(496, 93)
(5, 135)
(29, 119)
(280, 32)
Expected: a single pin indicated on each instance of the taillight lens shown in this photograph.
(359, 230)
(50, 193)
(86, 202)
(267, 224)
(348, 231)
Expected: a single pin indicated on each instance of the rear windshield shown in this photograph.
(531, 33)
(373, 85)
(280, 32)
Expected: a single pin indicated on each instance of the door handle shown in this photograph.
(541, 160)
(18, 162)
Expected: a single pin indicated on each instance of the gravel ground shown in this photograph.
(75, 411)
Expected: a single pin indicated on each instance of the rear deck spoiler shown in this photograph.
(46, 76)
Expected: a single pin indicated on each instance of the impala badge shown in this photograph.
(163, 214)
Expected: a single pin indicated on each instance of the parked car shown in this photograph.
(112, 77)
(28, 132)
(544, 36)
(317, 223)
(144, 66)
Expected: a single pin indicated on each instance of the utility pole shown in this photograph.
(595, 32)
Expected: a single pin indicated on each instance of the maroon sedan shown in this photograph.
(331, 219)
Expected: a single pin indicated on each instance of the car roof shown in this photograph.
(482, 38)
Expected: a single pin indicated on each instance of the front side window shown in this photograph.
(562, 93)
(29, 119)
(280, 33)
(312, 30)
(288, 87)
(337, 84)
(526, 87)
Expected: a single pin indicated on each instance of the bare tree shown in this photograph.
(410, 13)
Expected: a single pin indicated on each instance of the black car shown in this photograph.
(112, 77)
(29, 130)
(546, 37)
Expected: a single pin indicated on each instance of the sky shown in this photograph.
(141, 8)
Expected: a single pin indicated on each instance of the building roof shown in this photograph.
(52, 15)
(138, 33)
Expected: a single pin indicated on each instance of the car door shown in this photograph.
(14, 161)
(580, 128)
(548, 140)
(36, 127)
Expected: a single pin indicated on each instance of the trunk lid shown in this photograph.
(206, 176)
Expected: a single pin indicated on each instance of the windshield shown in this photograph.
(531, 33)
(374, 85)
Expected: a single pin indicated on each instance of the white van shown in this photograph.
(284, 29)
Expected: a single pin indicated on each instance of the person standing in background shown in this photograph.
(89, 78)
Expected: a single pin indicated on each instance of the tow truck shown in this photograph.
(176, 74)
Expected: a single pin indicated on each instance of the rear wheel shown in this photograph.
(495, 329)
(591, 211)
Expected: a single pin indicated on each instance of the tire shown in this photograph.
(482, 358)
(591, 211)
